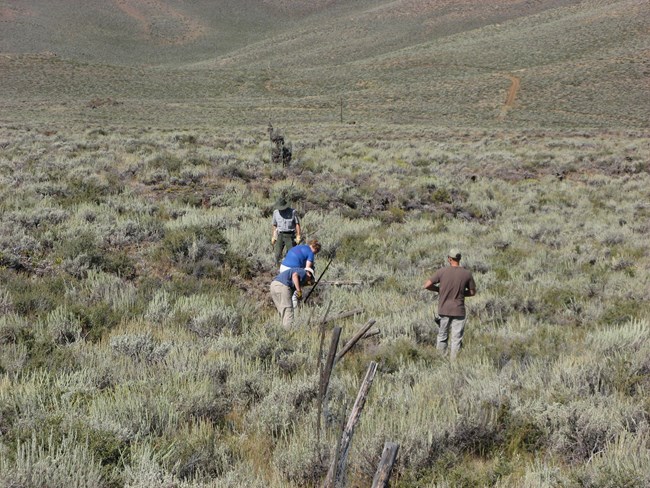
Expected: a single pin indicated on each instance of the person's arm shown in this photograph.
(295, 277)
(431, 286)
(274, 225)
(470, 289)
(298, 233)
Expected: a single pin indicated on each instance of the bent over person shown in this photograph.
(286, 229)
(302, 256)
(283, 287)
(453, 284)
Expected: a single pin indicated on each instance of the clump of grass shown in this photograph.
(140, 347)
(68, 462)
(300, 460)
(280, 410)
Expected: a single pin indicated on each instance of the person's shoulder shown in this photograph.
(437, 273)
(467, 274)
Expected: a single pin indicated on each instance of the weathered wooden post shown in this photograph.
(325, 376)
(336, 474)
(345, 315)
(350, 344)
(321, 332)
(385, 465)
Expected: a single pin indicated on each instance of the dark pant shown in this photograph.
(284, 243)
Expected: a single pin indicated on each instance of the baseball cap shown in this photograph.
(454, 254)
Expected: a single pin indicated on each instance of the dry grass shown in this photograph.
(138, 343)
(135, 267)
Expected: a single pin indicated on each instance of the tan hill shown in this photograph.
(167, 31)
(523, 63)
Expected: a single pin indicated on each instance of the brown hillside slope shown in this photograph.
(404, 61)
(173, 31)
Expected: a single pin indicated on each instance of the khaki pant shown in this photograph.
(457, 326)
(294, 297)
(281, 295)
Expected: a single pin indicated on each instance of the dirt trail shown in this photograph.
(512, 95)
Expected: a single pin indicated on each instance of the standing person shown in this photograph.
(302, 256)
(453, 284)
(284, 286)
(286, 229)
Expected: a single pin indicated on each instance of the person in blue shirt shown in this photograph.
(283, 288)
(302, 256)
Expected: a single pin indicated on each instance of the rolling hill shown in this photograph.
(139, 344)
(575, 63)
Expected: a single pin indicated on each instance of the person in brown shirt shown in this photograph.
(453, 284)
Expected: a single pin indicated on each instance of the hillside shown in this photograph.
(576, 63)
(140, 345)
(132, 32)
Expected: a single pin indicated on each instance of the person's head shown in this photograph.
(454, 255)
(281, 204)
(314, 245)
(310, 276)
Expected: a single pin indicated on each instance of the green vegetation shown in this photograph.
(139, 346)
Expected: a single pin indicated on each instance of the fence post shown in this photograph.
(336, 473)
(325, 376)
(355, 339)
(385, 465)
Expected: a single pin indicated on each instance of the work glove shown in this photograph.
(299, 295)
(298, 239)
(273, 240)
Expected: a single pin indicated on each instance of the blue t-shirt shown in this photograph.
(298, 256)
(285, 277)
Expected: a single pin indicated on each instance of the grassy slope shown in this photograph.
(133, 272)
(580, 64)
(121, 324)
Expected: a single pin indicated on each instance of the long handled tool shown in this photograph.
(318, 280)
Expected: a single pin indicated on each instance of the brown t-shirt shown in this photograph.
(453, 281)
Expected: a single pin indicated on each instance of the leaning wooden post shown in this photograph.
(325, 376)
(350, 344)
(321, 332)
(336, 474)
(327, 372)
(385, 465)
(344, 315)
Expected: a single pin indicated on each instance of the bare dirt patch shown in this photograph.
(10, 14)
(512, 95)
(162, 23)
